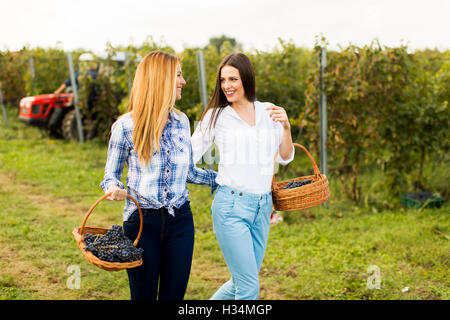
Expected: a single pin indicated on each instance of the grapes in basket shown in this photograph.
(113, 246)
(295, 184)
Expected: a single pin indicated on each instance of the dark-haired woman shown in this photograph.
(249, 135)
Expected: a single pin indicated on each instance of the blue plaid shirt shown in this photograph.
(161, 183)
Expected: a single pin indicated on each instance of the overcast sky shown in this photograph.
(257, 24)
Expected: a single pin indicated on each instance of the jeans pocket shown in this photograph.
(131, 229)
(223, 205)
(135, 217)
(185, 208)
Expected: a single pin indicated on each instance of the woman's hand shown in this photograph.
(278, 114)
(117, 193)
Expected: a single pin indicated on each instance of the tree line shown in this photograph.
(387, 106)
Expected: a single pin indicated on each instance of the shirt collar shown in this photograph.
(234, 113)
(173, 115)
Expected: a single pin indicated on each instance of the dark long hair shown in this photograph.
(218, 99)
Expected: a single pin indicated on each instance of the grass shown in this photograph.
(320, 253)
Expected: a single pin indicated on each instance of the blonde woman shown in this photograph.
(153, 139)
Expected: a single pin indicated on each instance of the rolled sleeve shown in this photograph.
(280, 160)
(118, 151)
(285, 162)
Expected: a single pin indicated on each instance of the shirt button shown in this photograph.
(232, 192)
(240, 193)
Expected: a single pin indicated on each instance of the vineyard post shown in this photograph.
(323, 115)
(129, 79)
(75, 96)
(5, 116)
(202, 78)
(203, 96)
(32, 73)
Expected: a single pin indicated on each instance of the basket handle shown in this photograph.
(316, 168)
(103, 197)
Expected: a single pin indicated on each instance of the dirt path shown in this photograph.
(20, 275)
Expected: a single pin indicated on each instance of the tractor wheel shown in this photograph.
(69, 126)
(70, 129)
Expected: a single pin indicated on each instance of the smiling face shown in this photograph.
(180, 82)
(231, 84)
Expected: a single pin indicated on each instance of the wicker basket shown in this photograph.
(79, 233)
(307, 196)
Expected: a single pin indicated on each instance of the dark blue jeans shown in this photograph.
(168, 244)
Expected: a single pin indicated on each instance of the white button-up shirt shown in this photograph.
(246, 153)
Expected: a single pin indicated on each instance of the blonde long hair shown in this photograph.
(152, 97)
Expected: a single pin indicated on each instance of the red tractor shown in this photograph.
(55, 113)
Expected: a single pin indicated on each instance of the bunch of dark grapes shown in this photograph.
(296, 184)
(113, 246)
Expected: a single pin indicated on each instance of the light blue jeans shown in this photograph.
(241, 223)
